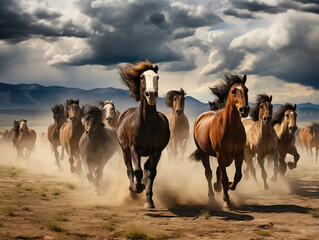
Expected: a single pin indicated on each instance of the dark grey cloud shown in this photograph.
(17, 25)
(186, 65)
(258, 7)
(235, 13)
(184, 34)
(311, 9)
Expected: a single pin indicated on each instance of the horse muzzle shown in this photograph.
(293, 129)
(267, 120)
(244, 111)
(151, 97)
(179, 112)
(73, 119)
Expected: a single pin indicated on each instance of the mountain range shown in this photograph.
(35, 99)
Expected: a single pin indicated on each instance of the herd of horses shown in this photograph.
(91, 135)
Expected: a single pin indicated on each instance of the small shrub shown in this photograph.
(133, 231)
(109, 226)
(28, 189)
(54, 226)
(18, 184)
(205, 213)
(56, 192)
(26, 209)
(314, 213)
(262, 233)
(10, 212)
(69, 185)
(60, 216)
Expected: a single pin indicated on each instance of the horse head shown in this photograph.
(239, 97)
(149, 85)
(266, 110)
(290, 119)
(109, 109)
(58, 113)
(179, 102)
(73, 110)
(92, 119)
(23, 125)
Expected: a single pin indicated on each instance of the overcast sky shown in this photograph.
(79, 43)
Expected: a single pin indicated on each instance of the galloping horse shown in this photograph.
(71, 132)
(97, 144)
(284, 122)
(143, 131)
(221, 134)
(178, 122)
(261, 137)
(24, 139)
(111, 114)
(309, 138)
(54, 131)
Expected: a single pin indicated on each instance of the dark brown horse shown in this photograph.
(143, 131)
(54, 131)
(285, 125)
(178, 123)
(24, 138)
(309, 138)
(221, 134)
(215, 105)
(262, 139)
(71, 132)
(97, 144)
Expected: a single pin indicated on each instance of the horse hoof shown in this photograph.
(97, 193)
(217, 187)
(133, 195)
(264, 187)
(227, 206)
(138, 188)
(292, 165)
(72, 169)
(149, 204)
(273, 178)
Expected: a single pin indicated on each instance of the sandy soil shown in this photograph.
(39, 202)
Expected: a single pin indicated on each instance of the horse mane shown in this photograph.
(221, 90)
(130, 76)
(215, 105)
(261, 98)
(170, 95)
(67, 103)
(57, 108)
(279, 114)
(313, 127)
(92, 110)
(16, 126)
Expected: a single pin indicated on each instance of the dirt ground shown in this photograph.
(39, 202)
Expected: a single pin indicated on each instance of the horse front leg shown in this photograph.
(282, 164)
(260, 160)
(225, 182)
(98, 178)
(317, 150)
(71, 159)
(56, 155)
(174, 148)
(129, 171)
(238, 175)
(62, 153)
(296, 156)
(136, 158)
(276, 166)
(208, 175)
(151, 174)
(183, 148)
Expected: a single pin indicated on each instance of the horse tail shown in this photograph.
(196, 155)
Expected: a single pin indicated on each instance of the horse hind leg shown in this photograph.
(218, 184)
(62, 154)
(56, 155)
(225, 182)
(208, 175)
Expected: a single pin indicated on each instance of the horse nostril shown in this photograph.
(290, 128)
(241, 109)
(147, 94)
(265, 119)
(156, 94)
(87, 132)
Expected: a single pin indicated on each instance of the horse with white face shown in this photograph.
(143, 131)
(111, 115)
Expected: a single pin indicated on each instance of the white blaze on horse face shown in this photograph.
(22, 125)
(109, 111)
(151, 80)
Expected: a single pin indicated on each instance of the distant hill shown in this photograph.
(35, 99)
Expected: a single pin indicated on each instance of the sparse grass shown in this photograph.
(19, 184)
(314, 213)
(44, 189)
(10, 211)
(69, 185)
(100, 206)
(54, 226)
(134, 231)
(56, 192)
(28, 189)
(110, 219)
(109, 226)
(14, 171)
(161, 236)
(61, 216)
(43, 194)
(262, 233)
(26, 209)
(205, 213)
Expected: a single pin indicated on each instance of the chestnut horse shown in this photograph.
(178, 123)
(221, 134)
(54, 132)
(309, 138)
(285, 124)
(143, 131)
(111, 115)
(71, 132)
(262, 139)
(97, 144)
(24, 138)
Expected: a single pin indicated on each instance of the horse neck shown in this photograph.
(77, 124)
(178, 117)
(284, 131)
(263, 128)
(146, 112)
(231, 114)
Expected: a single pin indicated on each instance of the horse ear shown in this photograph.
(295, 107)
(52, 109)
(77, 101)
(111, 101)
(155, 68)
(270, 98)
(244, 78)
(210, 103)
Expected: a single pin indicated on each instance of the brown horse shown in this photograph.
(24, 138)
(97, 144)
(8, 136)
(262, 139)
(111, 115)
(178, 123)
(54, 131)
(71, 132)
(309, 138)
(221, 134)
(143, 131)
(285, 124)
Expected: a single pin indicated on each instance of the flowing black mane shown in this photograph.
(92, 110)
(130, 76)
(170, 95)
(67, 103)
(57, 108)
(314, 126)
(280, 113)
(222, 89)
(261, 98)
